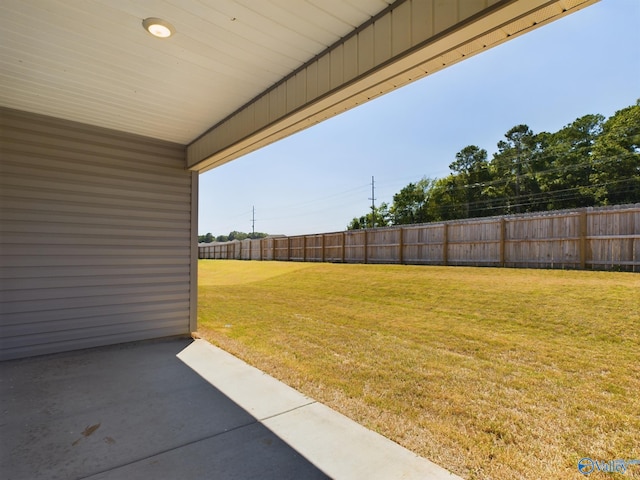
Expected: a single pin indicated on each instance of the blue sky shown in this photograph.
(319, 179)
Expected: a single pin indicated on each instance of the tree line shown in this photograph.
(592, 161)
(235, 235)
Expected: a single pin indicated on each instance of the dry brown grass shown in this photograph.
(491, 373)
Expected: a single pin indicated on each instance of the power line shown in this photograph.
(589, 165)
(530, 199)
(323, 198)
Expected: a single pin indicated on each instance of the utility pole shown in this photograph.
(253, 221)
(373, 204)
(518, 171)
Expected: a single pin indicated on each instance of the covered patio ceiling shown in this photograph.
(92, 61)
(237, 74)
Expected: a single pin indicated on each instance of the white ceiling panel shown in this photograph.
(91, 60)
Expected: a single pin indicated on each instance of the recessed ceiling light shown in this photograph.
(158, 27)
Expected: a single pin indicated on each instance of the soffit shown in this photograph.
(91, 61)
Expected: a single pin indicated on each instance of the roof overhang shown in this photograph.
(238, 75)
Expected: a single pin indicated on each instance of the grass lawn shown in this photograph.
(490, 373)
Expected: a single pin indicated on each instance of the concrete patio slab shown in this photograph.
(251, 452)
(178, 409)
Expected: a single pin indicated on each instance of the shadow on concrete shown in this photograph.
(131, 411)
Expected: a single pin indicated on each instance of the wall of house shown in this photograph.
(97, 237)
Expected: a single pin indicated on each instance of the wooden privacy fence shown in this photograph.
(606, 238)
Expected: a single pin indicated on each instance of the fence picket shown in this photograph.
(606, 238)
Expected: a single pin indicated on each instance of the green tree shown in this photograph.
(208, 238)
(446, 200)
(471, 171)
(235, 235)
(586, 163)
(566, 163)
(513, 165)
(616, 159)
(470, 159)
(409, 204)
(357, 223)
(380, 216)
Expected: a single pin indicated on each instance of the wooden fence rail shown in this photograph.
(606, 238)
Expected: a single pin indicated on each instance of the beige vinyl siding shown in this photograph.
(96, 236)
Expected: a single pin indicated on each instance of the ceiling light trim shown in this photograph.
(158, 27)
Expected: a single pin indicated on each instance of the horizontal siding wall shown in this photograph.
(95, 236)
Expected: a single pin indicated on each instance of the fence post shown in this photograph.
(304, 248)
(582, 225)
(323, 248)
(344, 247)
(635, 256)
(365, 245)
(288, 249)
(401, 241)
(503, 229)
(445, 244)
(635, 244)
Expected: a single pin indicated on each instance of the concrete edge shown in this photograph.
(337, 445)
(258, 393)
